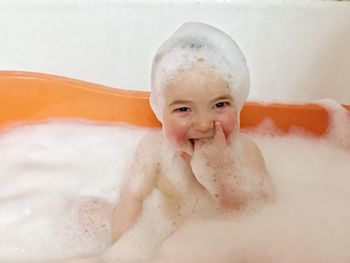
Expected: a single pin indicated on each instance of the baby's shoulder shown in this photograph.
(151, 150)
(247, 143)
(143, 170)
(254, 162)
(151, 142)
(250, 151)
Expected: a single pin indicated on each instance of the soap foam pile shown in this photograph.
(308, 220)
(307, 223)
(60, 180)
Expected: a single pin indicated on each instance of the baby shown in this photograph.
(200, 81)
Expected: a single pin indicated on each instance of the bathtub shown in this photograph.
(28, 97)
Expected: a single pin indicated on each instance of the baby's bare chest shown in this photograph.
(178, 186)
(175, 176)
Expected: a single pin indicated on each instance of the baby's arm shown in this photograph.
(251, 177)
(126, 213)
(140, 181)
(232, 174)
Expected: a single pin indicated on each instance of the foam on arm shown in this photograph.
(141, 177)
(251, 181)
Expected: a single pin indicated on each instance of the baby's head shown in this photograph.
(192, 45)
(197, 60)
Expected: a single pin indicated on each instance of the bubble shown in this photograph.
(339, 123)
(48, 173)
(63, 205)
(311, 177)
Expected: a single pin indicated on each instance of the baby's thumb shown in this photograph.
(219, 133)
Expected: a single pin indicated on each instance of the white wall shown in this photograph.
(296, 50)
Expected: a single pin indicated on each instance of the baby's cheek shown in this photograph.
(229, 125)
(181, 139)
(176, 132)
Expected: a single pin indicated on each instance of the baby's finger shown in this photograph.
(219, 133)
(198, 144)
(189, 148)
(229, 139)
(185, 156)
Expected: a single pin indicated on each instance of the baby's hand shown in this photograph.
(212, 160)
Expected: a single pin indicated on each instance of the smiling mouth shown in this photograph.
(193, 140)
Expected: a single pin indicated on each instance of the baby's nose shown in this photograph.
(203, 123)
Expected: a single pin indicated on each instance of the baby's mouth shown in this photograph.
(194, 140)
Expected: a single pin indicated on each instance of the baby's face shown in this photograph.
(194, 101)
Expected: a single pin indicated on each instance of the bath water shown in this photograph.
(60, 180)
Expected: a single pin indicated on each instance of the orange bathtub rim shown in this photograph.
(29, 97)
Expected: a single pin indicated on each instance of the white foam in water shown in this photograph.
(60, 180)
(308, 222)
(339, 132)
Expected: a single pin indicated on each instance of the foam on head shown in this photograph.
(197, 44)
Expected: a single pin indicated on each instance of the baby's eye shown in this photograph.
(221, 104)
(182, 109)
